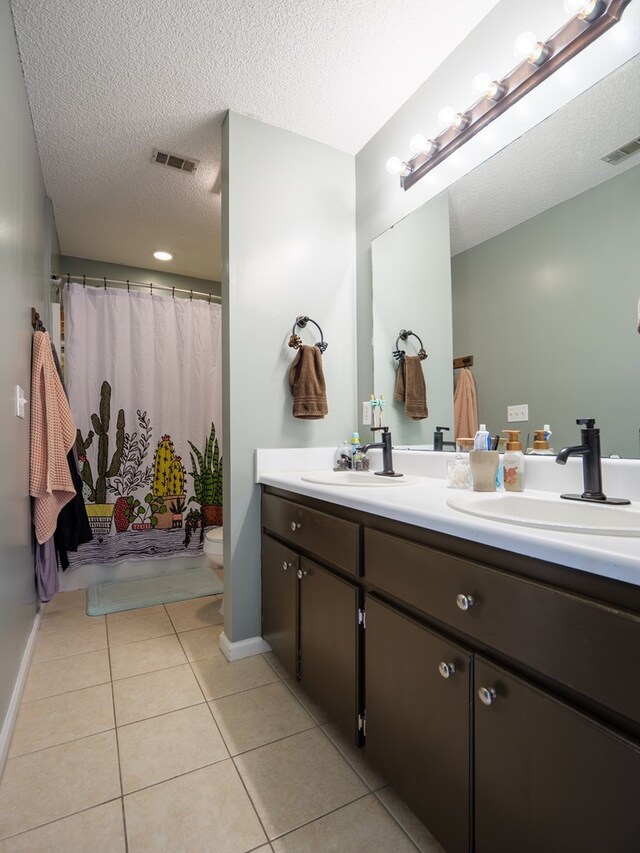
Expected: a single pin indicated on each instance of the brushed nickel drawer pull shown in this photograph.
(295, 526)
(302, 574)
(446, 670)
(487, 695)
(464, 602)
(286, 565)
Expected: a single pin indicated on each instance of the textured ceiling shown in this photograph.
(554, 161)
(108, 82)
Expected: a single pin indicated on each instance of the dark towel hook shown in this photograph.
(399, 354)
(296, 342)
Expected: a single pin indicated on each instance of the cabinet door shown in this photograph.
(417, 699)
(279, 602)
(548, 778)
(329, 644)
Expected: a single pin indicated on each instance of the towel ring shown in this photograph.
(295, 342)
(399, 354)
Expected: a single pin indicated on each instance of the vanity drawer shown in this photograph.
(332, 540)
(591, 648)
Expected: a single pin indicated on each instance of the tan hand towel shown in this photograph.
(465, 405)
(306, 379)
(53, 433)
(411, 388)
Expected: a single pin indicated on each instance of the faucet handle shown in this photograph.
(439, 429)
(588, 423)
(383, 428)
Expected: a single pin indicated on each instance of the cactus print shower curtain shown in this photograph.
(143, 374)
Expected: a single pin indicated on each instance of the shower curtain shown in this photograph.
(144, 379)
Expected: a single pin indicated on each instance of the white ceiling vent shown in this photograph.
(175, 161)
(623, 152)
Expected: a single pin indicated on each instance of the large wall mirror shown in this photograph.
(544, 279)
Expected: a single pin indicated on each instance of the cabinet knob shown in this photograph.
(487, 695)
(464, 602)
(301, 574)
(286, 565)
(446, 670)
(295, 526)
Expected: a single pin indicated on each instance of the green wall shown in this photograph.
(549, 311)
(24, 269)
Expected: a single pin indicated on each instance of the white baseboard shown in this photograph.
(243, 648)
(16, 697)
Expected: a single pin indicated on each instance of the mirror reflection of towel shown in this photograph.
(465, 405)
(308, 387)
(411, 388)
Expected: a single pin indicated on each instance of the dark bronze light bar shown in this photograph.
(579, 32)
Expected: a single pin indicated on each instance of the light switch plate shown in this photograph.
(366, 413)
(518, 413)
(20, 402)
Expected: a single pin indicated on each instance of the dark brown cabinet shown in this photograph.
(329, 643)
(418, 720)
(500, 695)
(548, 778)
(280, 602)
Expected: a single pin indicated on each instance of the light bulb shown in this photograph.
(163, 256)
(460, 121)
(526, 46)
(481, 83)
(396, 166)
(588, 11)
(419, 144)
(447, 116)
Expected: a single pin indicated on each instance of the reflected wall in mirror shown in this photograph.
(545, 239)
(412, 290)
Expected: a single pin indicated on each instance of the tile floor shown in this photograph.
(135, 734)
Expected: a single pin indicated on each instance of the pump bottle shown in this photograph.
(513, 462)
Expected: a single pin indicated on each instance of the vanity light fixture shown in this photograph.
(163, 256)
(539, 60)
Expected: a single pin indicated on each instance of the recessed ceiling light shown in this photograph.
(163, 256)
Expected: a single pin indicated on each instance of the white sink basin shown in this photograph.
(356, 478)
(551, 513)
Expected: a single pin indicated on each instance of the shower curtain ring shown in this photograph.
(68, 278)
(84, 280)
(209, 299)
(191, 296)
(128, 287)
(173, 292)
(151, 288)
(105, 282)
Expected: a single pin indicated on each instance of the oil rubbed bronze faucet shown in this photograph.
(591, 465)
(387, 452)
(438, 439)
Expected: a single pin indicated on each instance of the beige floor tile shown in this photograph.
(275, 663)
(154, 750)
(361, 827)
(102, 824)
(58, 719)
(66, 619)
(60, 676)
(259, 716)
(124, 615)
(296, 780)
(207, 810)
(415, 829)
(195, 613)
(219, 678)
(145, 656)
(154, 693)
(74, 641)
(202, 642)
(52, 783)
(318, 713)
(137, 625)
(75, 600)
(355, 756)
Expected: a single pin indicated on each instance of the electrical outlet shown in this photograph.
(366, 413)
(518, 413)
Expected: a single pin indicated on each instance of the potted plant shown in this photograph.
(177, 508)
(207, 479)
(99, 511)
(149, 516)
(131, 475)
(192, 521)
(168, 478)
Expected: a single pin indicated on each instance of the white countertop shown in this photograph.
(424, 505)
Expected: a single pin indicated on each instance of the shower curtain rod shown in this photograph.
(65, 278)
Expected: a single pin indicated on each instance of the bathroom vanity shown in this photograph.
(498, 692)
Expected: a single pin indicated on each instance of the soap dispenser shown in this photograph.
(541, 442)
(513, 462)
